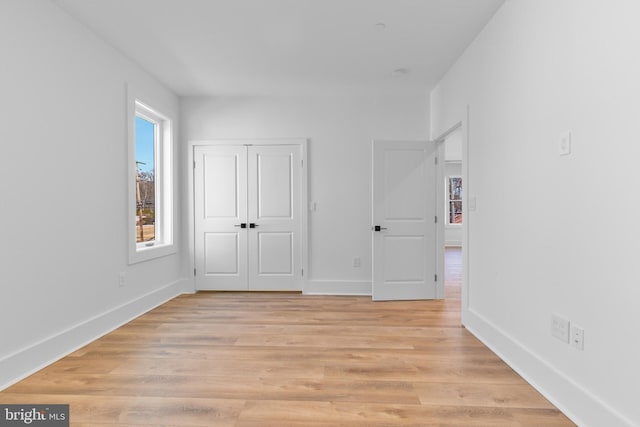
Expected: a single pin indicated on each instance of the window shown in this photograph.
(454, 200)
(150, 183)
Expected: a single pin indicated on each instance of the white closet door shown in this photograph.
(274, 217)
(220, 187)
(404, 209)
(247, 217)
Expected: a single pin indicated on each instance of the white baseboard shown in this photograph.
(29, 360)
(576, 402)
(338, 287)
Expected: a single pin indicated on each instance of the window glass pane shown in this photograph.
(454, 190)
(145, 180)
(456, 211)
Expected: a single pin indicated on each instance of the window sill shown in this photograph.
(146, 253)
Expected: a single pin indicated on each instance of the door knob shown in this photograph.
(253, 225)
(378, 228)
(243, 225)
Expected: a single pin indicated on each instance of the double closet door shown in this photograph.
(247, 217)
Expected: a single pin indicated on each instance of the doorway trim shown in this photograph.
(304, 200)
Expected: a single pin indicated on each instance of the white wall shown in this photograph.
(453, 146)
(340, 130)
(63, 169)
(538, 69)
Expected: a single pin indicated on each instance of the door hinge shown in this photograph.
(194, 271)
(194, 164)
(435, 277)
(302, 272)
(436, 160)
(435, 219)
(301, 163)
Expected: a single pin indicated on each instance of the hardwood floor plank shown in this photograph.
(324, 341)
(244, 368)
(182, 412)
(271, 413)
(476, 394)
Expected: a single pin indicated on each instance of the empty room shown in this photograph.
(319, 213)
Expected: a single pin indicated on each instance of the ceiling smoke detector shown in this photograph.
(399, 72)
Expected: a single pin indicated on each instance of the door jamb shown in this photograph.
(304, 200)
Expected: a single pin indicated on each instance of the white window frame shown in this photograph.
(163, 243)
(447, 213)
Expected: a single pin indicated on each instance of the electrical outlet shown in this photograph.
(121, 279)
(472, 204)
(560, 328)
(356, 262)
(564, 144)
(577, 337)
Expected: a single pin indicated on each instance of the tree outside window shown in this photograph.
(454, 200)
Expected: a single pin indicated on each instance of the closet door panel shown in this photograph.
(220, 202)
(274, 198)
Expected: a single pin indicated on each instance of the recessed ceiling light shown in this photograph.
(380, 26)
(399, 72)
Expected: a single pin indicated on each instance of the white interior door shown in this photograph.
(220, 187)
(274, 197)
(247, 217)
(404, 220)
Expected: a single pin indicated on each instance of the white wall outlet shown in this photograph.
(560, 328)
(577, 337)
(121, 279)
(564, 144)
(356, 262)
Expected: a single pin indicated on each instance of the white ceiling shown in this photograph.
(245, 47)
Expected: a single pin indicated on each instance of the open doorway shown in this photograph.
(453, 214)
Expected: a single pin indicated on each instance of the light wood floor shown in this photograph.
(249, 360)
